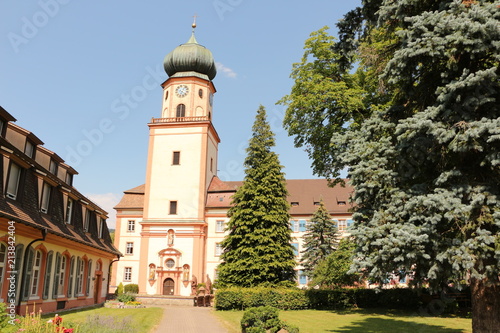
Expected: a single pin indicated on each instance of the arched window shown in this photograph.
(48, 271)
(181, 111)
(28, 270)
(89, 276)
(3, 251)
(79, 276)
(37, 264)
(71, 277)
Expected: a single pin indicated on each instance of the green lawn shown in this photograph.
(140, 320)
(362, 321)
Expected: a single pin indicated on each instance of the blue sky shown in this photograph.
(67, 64)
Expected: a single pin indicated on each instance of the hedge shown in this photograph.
(295, 299)
(242, 298)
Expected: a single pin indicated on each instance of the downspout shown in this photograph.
(109, 274)
(23, 270)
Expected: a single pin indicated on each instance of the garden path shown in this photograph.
(183, 319)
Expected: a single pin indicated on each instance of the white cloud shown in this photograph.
(107, 201)
(225, 70)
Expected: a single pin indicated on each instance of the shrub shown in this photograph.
(119, 289)
(131, 288)
(261, 320)
(126, 297)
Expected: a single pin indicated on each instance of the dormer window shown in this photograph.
(53, 167)
(2, 126)
(13, 181)
(69, 211)
(295, 203)
(341, 203)
(69, 178)
(29, 149)
(44, 204)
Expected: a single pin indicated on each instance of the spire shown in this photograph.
(192, 40)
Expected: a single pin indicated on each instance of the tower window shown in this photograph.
(181, 111)
(129, 248)
(200, 93)
(173, 208)
(176, 158)
(166, 95)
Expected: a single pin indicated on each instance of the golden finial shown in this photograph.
(194, 22)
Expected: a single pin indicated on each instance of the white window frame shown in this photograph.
(86, 223)
(342, 225)
(218, 249)
(45, 202)
(62, 275)
(220, 226)
(129, 248)
(13, 181)
(127, 274)
(69, 211)
(79, 275)
(35, 274)
(131, 226)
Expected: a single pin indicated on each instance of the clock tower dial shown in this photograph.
(182, 90)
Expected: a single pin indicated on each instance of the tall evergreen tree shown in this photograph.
(258, 248)
(321, 239)
(423, 149)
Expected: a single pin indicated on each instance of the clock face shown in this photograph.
(182, 90)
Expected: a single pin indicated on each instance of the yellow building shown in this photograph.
(170, 228)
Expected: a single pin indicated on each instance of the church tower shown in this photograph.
(182, 160)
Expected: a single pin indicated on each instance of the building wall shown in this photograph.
(95, 264)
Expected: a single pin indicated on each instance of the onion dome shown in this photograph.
(188, 58)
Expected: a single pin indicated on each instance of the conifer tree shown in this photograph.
(258, 248)
(423, 148)
(320, 239)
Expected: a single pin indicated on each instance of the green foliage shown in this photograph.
(235, 298)
(261, 320)
(126, 297)
(258, 248)
(119, 289)
(131, 288)
(334, 270)
(421, 144)
(4, 319)
(320, 239)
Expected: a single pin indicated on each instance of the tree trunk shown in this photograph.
(485, 306)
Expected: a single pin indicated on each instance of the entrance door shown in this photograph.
(97, 289)
(168, 287)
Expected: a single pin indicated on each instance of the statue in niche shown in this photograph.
(185, 273)
(170, 238)
(152, 271)
(194, 285)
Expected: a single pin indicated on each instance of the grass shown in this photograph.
(358, 321)
(118, 320)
